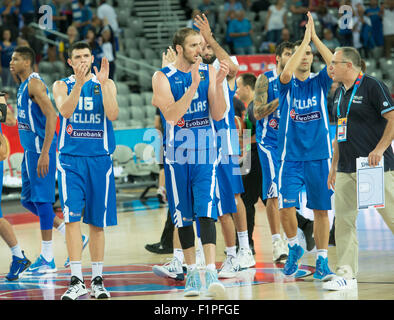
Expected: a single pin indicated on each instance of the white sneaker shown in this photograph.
(278, 251)
(229, 268)
(344, 280)
(200, 258)
(245, 258)
(76, 289)
(98, 290)
(172, 269)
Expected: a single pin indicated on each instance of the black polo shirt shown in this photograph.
(366, 123)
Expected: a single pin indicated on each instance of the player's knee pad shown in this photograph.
(207, 230)
(46, 214)
(186, 237)
(29, 206)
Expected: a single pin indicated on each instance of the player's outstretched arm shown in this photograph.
(261, 108)
(296, 58)
(320, 46)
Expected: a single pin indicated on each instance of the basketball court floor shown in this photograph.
(128, 266)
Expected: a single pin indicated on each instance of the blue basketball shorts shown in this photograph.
(228, 183)
(270, 164)
(293, 175)
(190, 188)
(87, 183)
(34, 188)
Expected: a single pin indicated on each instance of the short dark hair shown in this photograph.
(26, 53)
(180, 36)
(248, 79)
(282, 46)
(77, 46)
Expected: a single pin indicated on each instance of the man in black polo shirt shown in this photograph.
(365, 128)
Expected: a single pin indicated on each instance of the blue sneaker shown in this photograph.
(42, 266)
(323, 272)
(18, 267)
(214, 286)
(291, 265)
(193, 284)
(85, 240)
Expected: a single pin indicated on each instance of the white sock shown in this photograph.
(97, 269)
(17, 251)
(76, 269)
(178, 253)
(62, 229)
(243, 239)
(199, 243)
(46, 250)
(321, 253)
(293, 241)
(231, 251)
(275, 237)
(211, 267)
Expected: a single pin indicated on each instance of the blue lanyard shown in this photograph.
(356, 85)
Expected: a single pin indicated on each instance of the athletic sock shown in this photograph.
(178, 253)
(46, 250)
(321, 253)
(293, 241)
(97, 269)
(76, 269)
(231, 251)
(276, 237)
(243, 239)
(17, 251)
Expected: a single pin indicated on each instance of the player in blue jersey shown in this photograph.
(304, 148)
(189, 95)
(19, 263)
(36, 125)
(265, 109)
(229, 185)
(87, 105)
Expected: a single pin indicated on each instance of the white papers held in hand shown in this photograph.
(370, 184)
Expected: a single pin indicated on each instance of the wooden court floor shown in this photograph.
(128, 266)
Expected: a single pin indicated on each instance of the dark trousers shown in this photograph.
(166, 239)
(252, 184)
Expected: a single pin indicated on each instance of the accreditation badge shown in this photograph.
(342, 129)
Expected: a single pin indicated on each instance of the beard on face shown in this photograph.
(208, 59)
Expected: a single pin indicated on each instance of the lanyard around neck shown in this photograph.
(355, 87)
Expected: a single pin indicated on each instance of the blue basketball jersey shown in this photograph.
(31, 120)
(88, 132)
(267, 128)
(304, 124)
(197, 119)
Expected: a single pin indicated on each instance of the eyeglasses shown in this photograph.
(333, 62)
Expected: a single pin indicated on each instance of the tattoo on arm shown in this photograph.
(261, 108)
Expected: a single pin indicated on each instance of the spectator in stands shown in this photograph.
(108, 49)
(375, 13)
(285, 36)
(240, 30)
(388, 27)
(210, 9)
(86, 19)
(97, 51)
(326, 18)
(231, 5)
(9, 16)
(26, 9)
(276, 21)
(299, 9)
(329, 40)
(7, 47)
(106, 11)
(73, 36)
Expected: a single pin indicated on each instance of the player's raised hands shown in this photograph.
(80, 73)
(102, 75)
(202, 23)
(223, 71)
(168, 57)
(312, 25)
(195, 71)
